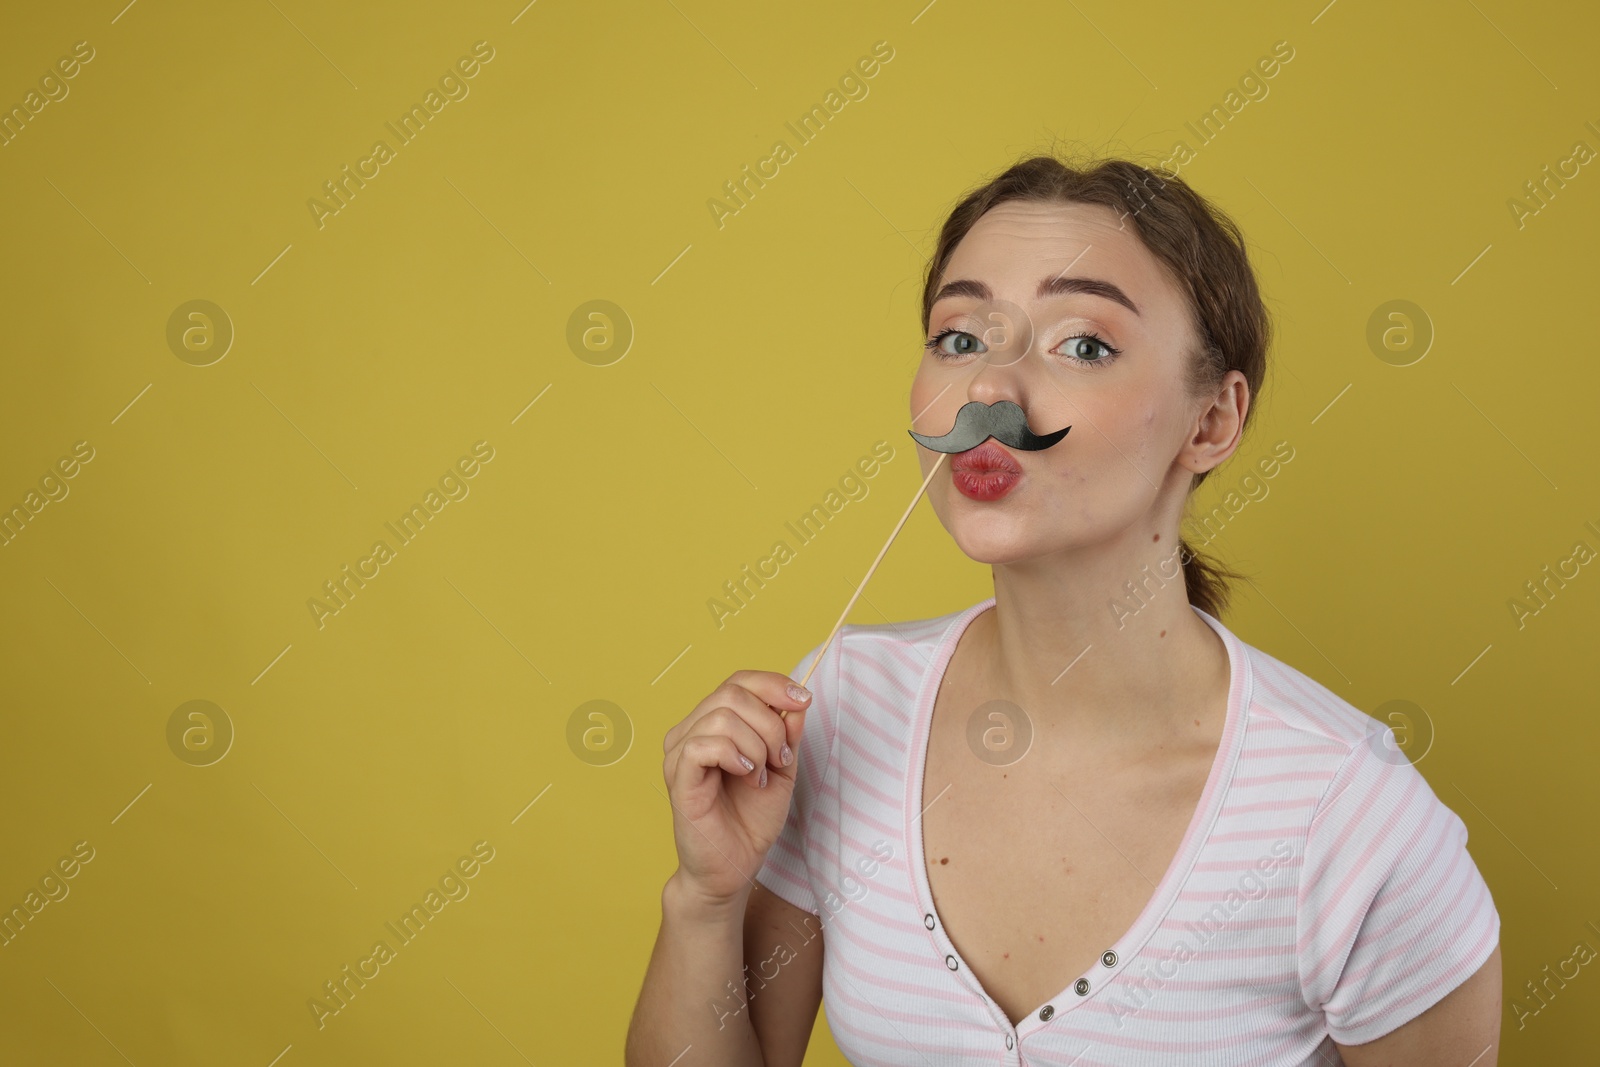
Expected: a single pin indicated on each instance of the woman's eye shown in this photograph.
(955, 343)
(1087, 348)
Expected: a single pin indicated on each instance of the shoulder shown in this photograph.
(1304, 705)
(900, 651)
(911, 643)
(1370, 796)
(871, 668)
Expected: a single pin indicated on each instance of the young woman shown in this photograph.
(1080, 822)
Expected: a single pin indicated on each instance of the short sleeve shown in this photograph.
(1393, 912)
(785, 870)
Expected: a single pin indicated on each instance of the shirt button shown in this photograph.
(950, 962)
(1109, 958)
(1081, 987)
(927, 920)
(1009, 1042)
(1046, 1012)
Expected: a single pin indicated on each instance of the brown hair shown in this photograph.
(1201, 248)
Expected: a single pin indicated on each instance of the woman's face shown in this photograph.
(1082, 359)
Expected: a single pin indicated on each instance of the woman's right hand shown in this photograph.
(724, 818)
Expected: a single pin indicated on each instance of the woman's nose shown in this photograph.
(1007, 375)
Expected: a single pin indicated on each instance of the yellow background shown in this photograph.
(768, 356)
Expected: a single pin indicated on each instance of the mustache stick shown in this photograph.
(857, 594)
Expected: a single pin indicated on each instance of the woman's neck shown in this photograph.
(1070, 643)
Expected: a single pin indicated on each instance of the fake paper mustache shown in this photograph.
(976, 422)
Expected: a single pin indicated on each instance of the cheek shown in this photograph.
(918, 399)
(932, 406)
(1138, 425)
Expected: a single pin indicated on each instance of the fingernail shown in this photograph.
(797, 692)
(762, 781)
(747, 764)
(785, 755)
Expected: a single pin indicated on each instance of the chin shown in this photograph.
(993, 542)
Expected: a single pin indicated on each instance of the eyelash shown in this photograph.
(932, 345)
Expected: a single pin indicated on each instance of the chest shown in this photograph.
(1037, 867)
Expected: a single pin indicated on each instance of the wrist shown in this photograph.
(682, 899)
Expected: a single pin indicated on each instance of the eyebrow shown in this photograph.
(1052, 286)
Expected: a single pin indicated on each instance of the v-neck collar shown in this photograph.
(1127, 947)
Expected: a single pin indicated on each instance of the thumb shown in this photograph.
(794, 725)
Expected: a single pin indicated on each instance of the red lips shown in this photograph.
(987, 472)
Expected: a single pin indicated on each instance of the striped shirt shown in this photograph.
(1321, 892)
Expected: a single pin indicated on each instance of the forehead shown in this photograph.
(1015, 244)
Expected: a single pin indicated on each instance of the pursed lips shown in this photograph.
(990, 456)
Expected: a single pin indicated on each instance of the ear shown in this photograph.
(1218, 425)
